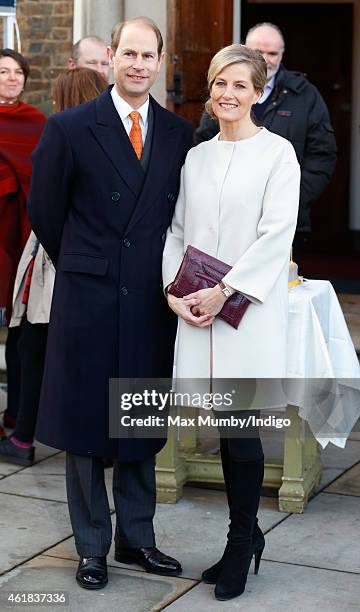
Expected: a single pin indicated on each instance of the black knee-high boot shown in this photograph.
(244, 484)
(211, 575)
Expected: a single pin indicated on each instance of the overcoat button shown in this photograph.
(115, 196)
(171, 197)
(126, 242)
(124, 291)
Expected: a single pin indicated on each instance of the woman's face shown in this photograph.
(233, 94)
(11, 79)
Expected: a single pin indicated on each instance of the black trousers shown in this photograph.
(12, 371)
(134, 492)
(31, 347)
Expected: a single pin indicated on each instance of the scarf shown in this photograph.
(20, 129)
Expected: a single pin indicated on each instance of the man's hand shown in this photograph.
(183, 309)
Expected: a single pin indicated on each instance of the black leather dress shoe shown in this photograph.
(15, 454)
(92, 572)
(150, 558)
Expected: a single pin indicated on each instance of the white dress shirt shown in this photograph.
(268, 89)
(124, 109)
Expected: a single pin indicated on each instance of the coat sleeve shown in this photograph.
(320, 154)
(174, 244)
(255, 273)
(49, 197)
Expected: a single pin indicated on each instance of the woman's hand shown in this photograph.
(183, 309)
(206, 301)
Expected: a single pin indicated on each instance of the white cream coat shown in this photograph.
(238, 201)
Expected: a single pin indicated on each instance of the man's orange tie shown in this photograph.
(136, 134)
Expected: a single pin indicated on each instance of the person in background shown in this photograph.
(89, 52)
(20, 129)
(292, 107)
(238, 202)
(33, 293)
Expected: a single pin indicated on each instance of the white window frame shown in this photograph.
(10, 27)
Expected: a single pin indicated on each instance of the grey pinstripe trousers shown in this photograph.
(134, 492)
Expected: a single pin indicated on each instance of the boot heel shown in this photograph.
(257, 556)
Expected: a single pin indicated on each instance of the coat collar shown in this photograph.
(112, 137)
(295, 81)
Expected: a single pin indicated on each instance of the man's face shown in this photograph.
(269, 43)
(136, 63)
(93, 55)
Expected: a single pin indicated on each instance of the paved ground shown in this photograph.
(311, 561)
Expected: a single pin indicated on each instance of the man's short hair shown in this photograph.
(269, 25)
(117, 31)
(75, 51)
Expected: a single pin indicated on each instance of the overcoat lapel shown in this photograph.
(113, 139)
(166, 136)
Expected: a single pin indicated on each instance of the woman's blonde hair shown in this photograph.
(237, 54)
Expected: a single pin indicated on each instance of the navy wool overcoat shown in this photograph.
(103, 221)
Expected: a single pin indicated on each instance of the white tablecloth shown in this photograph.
(323, 368)
(323, 373)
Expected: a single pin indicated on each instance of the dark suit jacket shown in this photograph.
(103, 221)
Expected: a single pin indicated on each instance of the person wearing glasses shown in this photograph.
(291, 107)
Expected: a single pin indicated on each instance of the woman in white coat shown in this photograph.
(238, 202)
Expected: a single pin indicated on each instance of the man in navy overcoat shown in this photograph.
(101, 208)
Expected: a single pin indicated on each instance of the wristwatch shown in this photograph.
(224, 290)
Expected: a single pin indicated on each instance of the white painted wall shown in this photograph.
(96, 17)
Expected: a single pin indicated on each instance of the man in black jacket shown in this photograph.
(293, 108)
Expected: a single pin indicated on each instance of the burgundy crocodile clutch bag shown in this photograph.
(201, 271)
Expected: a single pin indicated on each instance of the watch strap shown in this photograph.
(225, 291)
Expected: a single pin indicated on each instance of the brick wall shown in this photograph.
(46, 39)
